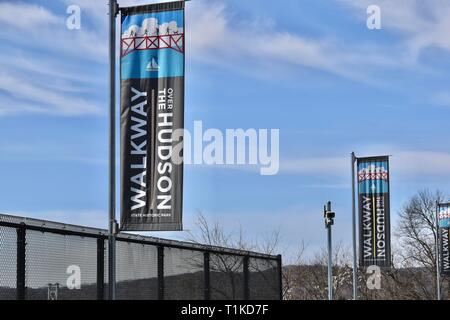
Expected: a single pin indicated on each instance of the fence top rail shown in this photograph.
(90, 232)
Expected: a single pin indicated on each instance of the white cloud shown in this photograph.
(334, 170)
(403, 163)
(62, 79)
(212, 37)
(335, 166)
(441, 99)
(46, 68)
(31, 16)
(97, 11)
(131, 31)
(39, 28)
(47, 151)
(423, 23)
(422, 163)
(21, 96)
(149, 26)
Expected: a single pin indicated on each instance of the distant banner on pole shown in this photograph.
(152, 111)
(444, 235)
(374, 211)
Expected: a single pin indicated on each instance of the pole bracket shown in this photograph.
(116, 9)
(115, 227)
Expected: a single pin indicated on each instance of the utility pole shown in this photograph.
(113, 10)
(329, 221)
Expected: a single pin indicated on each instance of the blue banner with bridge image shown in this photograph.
(152, 45)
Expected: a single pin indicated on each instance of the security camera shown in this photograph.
(329, 214)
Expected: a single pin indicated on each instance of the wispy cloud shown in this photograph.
(315, 165)
(441, 99)
(424, 24)
(24, 96)
(46, 68)
(213, 38)
(40, 28)
(50, 152)
(21, 15)
(403, 163)
(216, 38)
(335, 169)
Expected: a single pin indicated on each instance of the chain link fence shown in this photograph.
(41, 260)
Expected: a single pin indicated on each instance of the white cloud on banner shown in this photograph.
(150, 27)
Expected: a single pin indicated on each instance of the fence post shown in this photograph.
(280, 276)
(100, 268)
(160, 273)
(206, 282)
(246, 279)
(21, 256)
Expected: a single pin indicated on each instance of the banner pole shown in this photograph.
(355, 276)
(112, 151)
(438, 278)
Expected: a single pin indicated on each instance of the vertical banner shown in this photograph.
(152, 111)
(374, 211)
(444, 234)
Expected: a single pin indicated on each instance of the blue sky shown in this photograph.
(309, 68)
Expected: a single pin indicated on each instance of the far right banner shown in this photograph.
(444, 235)
(374, 211)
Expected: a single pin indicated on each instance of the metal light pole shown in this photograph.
(438, 276)
(329, 221)
(113, 10)
(355, 276)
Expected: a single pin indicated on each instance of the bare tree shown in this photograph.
(226, 270)
(413, 275)
(308, 278)
(212, 233)
(417, 233)
(291, 275)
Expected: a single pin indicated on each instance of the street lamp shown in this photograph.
(329, 221)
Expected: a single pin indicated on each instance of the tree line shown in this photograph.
(412, 276)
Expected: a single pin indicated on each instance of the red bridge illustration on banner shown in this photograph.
(170, 41)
